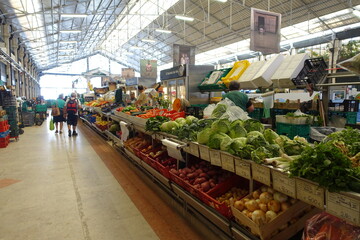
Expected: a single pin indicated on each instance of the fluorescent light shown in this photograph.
(68, 41)
(70, 31)
(136, 47)
(185, 18)
(74, 15)
(148, 40)
(356, 13)
(162, 30)
(222, 1)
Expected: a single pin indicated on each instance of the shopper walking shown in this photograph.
(240, 99)
(71, 109)
(59, 120)
(142, 99)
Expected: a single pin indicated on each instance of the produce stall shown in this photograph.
(244, 181)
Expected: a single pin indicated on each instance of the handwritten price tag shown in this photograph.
(215, 157)
(310, 193)
(242, 168)
(343, 207)
(204, 153)
(261, 174)
(194, 149)
(284, 184)
(227, 162)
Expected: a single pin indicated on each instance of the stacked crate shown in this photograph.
(9, 104)
(4, 132)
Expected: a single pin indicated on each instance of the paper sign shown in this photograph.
(194, 149)
(310, 193)
(284, 184)
(344, 207)
(215, 158)
(261, 174)
(243, 168)
(204, 153)
(227, 162)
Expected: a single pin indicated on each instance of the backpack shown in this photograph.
(71, 106)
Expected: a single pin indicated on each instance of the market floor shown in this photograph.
(56, 187)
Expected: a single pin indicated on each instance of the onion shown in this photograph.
(263, 207)
(258, 216)
(239, 205)
(256, 194)
(266, 197)
(249, 214)
(245, 211)
(285, 206)
(280, 197)
(270, 215)
(245, 200)
(251, 205)
(258, 201)
(274, 206)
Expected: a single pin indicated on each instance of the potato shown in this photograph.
(204, 175)
(199, 180)
(205, 186)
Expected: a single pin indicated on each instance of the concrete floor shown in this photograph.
(56, 187)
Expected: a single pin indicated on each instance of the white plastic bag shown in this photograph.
(234, 113)
(208, 110)
(221, 108)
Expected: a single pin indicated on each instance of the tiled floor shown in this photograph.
(56, 187)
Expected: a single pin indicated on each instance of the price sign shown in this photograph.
(261, 174)
(215, 158)
(194, 149)
(242, 168)
(227, 162)
(204, 153)
(343, 207)
(310, 193)
(284, 184)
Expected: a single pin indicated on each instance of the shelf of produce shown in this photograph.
(114, 138)
(206, 211)
(156, 174)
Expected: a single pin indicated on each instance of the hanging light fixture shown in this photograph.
(184, 18)
(160, 30)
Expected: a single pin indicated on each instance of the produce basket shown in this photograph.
(284, 224)
(209, 198)
(4, 142)
(163, 167)
(212, 81)
(4, 127)
(4, 134)
(236, 72)
(314, 70)
(146, 157)
(292, 130)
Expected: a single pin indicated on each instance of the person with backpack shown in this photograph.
(71, 108)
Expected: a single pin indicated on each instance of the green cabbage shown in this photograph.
(275, 150)
(203, 136)
(294, 147)
(270, 135)
(219, 110)
(245, 152)
(221, 125)
(225, 143)
(190, 120)
(181, 121)
(238, 143)
(169, 126)
(215, 140)
(253, 125)
(281, 140)
(256, 139)
(236, 130)
(259, 154)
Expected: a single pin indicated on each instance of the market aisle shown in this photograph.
(56, 187)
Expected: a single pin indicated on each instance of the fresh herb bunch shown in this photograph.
(351, 138)
(153, 124)
(327, 164)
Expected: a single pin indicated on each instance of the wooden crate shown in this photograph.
(270, 230)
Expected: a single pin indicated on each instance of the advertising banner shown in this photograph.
(183, 54)
(127, 73)
(265, 31)
(148, 68)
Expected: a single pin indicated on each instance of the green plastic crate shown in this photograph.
(257, 113)
(292, 130)
(214, 86)
(351, 117)
(41, 108)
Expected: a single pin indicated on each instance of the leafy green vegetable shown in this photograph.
(181, 121)
(270, 135)
(274, 149)
(245, 152)
(326, 164)
(238, 143)
(169, 126)
(219, 110)
(203, 136)
(296, 146)
(190, 119)
(351, 138)
(256, 139)
(236, 129)
(221, 125)
(253, 125)
(154, 123)
(225, 143)
(215, 140)
(281, 140)
(259, 154)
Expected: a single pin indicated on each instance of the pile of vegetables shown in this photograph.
(232, 195)
(333, 163)
(153, 124)
(202, 176)
(248, 139)
(264, 205)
